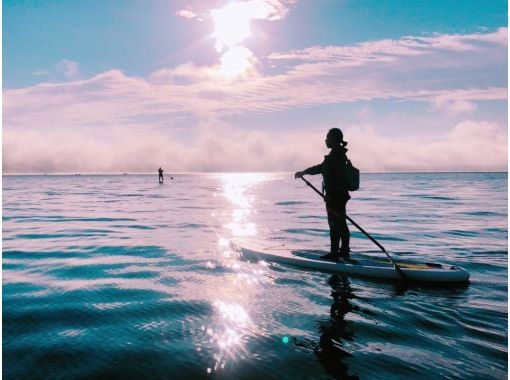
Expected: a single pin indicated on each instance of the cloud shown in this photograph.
(40, 72)
(202, 91)
(364, 112)
(222, 148)
(186, 13)
(271, 10)
(454, 107)
(356, 74)
(457, 102)
(186, 73)
(266, 9)
(68, 68)
(384, 50)
(116, 122)
(237, 61)
(468, 146)
(460, 42)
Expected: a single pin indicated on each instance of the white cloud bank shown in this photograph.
(469, 146)
(114, 122)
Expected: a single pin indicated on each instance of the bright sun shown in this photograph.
(235, 62)
(232, 24)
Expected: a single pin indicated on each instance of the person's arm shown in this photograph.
(317, 169)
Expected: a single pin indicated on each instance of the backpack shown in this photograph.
(351, 176)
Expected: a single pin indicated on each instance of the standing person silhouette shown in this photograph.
(337, 195)
(161, 179)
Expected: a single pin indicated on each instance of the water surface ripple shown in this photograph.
(120, 277)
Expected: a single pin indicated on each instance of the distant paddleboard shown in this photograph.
(359, 264)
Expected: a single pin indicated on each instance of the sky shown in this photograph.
(253, 86)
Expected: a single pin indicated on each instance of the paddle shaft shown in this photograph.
(358, 227)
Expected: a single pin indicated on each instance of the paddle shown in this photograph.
(397, 268)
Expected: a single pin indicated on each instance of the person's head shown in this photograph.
(335, 138)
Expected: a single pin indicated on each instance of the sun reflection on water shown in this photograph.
(235, 190)
(228, 335)
(233, 295)
(232, 313)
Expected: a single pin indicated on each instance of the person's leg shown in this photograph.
(344, 232)
(334, 233)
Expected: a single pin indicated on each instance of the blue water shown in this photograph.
(119, 277)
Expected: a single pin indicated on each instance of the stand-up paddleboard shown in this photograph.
(359, 264)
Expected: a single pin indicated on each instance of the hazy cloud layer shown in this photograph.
(469, 145)
(115, 122)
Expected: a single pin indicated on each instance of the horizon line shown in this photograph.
(234, 172)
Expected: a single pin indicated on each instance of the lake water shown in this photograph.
(119, 277)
